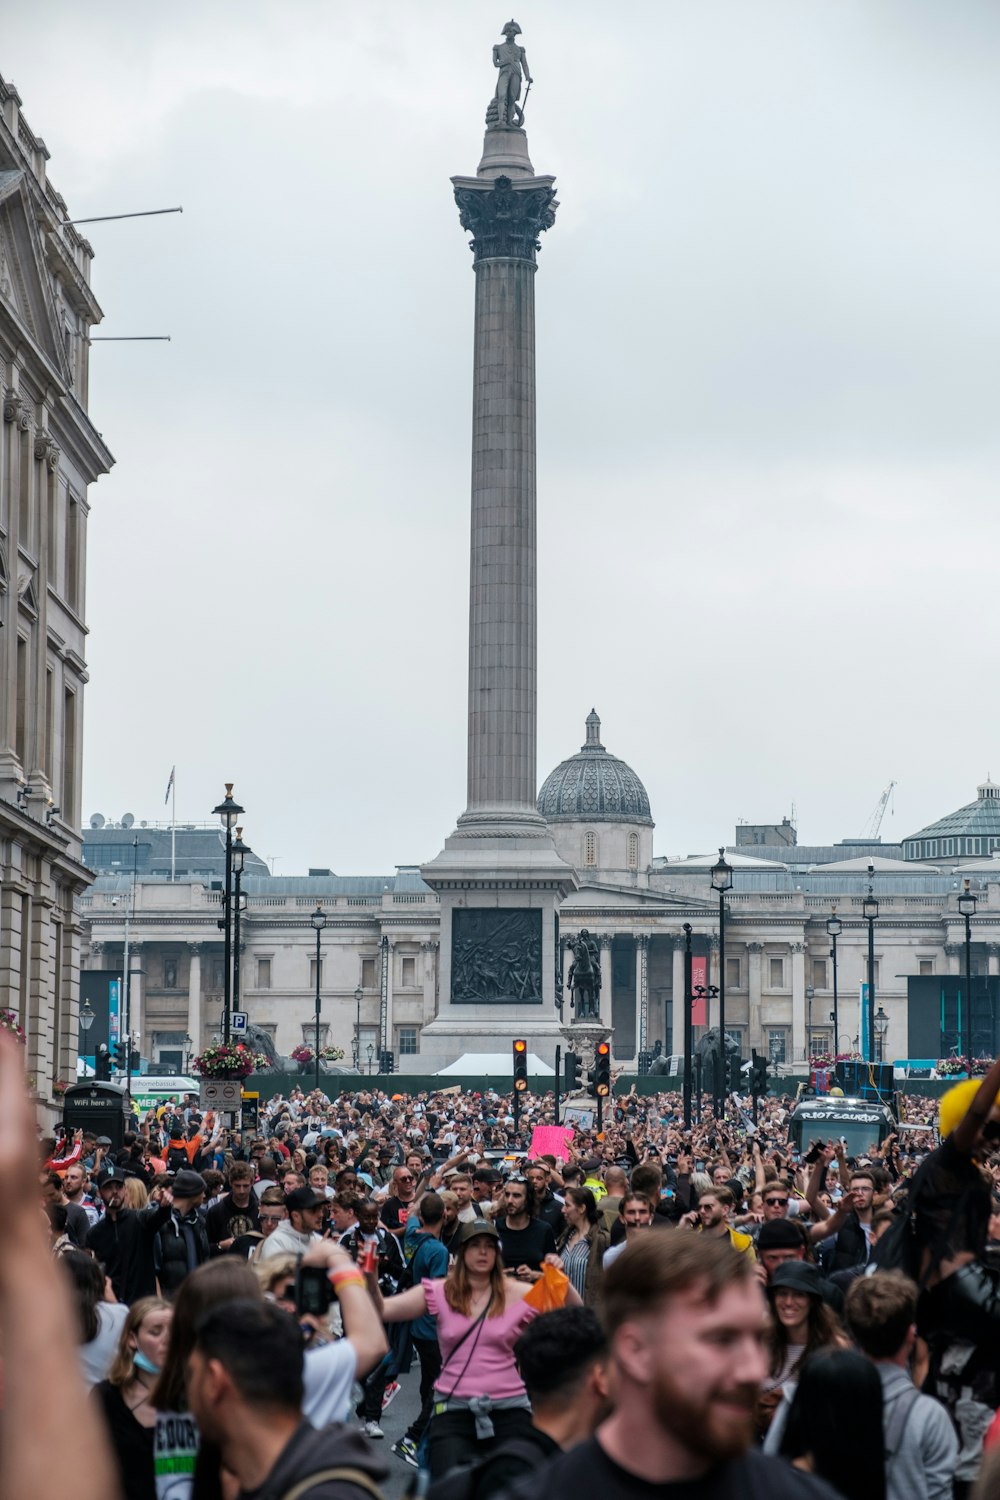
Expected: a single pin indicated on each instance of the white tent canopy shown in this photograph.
(494, 1065)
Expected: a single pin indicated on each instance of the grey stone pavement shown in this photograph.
(394, 1423)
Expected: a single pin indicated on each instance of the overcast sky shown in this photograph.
(768, 362)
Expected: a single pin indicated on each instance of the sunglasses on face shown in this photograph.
(776, 1202)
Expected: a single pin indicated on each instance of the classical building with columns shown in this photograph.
(50, 454)
(779, 971)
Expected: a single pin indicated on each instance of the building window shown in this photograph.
(821, 1043)
(876, 975)
(170, 973)
(732, 973)
(409, 1038)
(776, 1044)
(590, 848)
(263, 973)
(69, 759)
(309, 1033)
(218, 973)
(633, 851)
(777, 973)
(313, 980)
(408, 972)
(925, 966)
(367, 973)
(819, 973)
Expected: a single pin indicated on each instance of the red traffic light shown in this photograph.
(603, 1048)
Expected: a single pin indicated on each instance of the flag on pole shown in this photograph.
(170, 785)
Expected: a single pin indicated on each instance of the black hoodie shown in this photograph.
(309, 1452)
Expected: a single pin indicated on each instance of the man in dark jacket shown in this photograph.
(182, 1242)
(123, 1239)
(236, 1213)
(244, 1389)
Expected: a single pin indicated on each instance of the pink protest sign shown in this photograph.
(551, 1140)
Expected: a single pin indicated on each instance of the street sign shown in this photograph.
(220, 1093)
(239, 1021)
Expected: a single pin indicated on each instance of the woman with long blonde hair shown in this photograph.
(125, 1396)
(479, 1396)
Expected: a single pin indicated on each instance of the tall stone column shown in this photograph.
(194, 998)
(499, 876)
(754, 985)
(679, 999)
(605, 941)
(641, 992)
(993, 958)
(798, 1001)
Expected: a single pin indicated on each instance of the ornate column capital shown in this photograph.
(642, 941)
(713, 942)
(797, 947)
(46, 451)
(505, 220)
(195, 949)
(952, 948)
(755, 947)
(993, 949)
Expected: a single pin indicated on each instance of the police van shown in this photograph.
(862, 1124)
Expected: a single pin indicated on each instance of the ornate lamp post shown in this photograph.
(359, 995)
(869, 910)
(371, 1057)
(881, 1029)
(967, 906)
(86, 1021)
(722, 881)
(810, 996)
(318, 920)
(240, 852)
(834, 927)
(228, 811)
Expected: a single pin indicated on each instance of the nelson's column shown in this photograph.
(499, 877)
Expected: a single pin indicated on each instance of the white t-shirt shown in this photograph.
(96, 1357)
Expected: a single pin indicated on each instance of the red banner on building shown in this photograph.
(699, 1003)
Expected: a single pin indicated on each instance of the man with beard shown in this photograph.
(712, 1217)
(686, 1325)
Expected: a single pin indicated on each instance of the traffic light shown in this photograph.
(119, 1054)
(602, 1070)
(520, 1065)
(386, 1062)
(573, 1072)
(102, 1064)
(735, 1080)
(758, 1075)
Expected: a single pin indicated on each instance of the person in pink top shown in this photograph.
(479, 1397)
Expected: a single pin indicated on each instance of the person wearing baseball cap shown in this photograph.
(124, 1239)
(306, 1209)
(181, 1244)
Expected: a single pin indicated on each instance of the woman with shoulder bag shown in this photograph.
(479, 1397)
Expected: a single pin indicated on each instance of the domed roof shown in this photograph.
(975, 820)
(594, 787)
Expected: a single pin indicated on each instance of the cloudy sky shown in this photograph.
(768, 359)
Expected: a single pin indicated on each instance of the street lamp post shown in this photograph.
(688, 1002)
(359, 995)
(722, 881)
(86, 1021)
(228, 811)
(319, 922)
(240, 852)
(371, 1057)
(834, 927)
(869, 910)
(881, 1030)
(810, 996)
(967, 906)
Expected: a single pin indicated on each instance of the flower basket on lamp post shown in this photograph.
(227, 1060)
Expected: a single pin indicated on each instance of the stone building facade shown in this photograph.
(778, 964)
(50, 454)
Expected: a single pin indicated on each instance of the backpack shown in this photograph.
(463, 1484)
(178, 1159)
(356, 1477)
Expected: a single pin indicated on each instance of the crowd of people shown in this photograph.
(229, 1314)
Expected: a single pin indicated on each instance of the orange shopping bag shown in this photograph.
(550, 1291)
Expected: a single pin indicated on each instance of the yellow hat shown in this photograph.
(955, 1104)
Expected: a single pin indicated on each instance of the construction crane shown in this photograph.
(871, 828)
